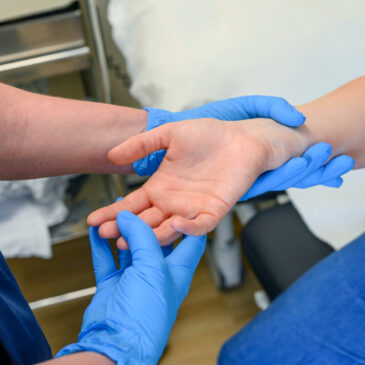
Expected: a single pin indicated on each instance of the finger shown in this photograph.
(109, 230)
(165, 233)
(140, 145)
(142, 241)
(272, 107)
(103, 261)
(336, 183)
(198, 226)
(122, 244)
(152, 216)
(316, 156)
(268, 180)
(188, 252)
(166, 237)
(328, 173)
(184, 260)
(135, 202)
(124, 259)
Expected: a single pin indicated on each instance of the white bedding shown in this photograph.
(181, 54)
(27, 209)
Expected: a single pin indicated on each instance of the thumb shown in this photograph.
(102, 256)
(184, 260)
(142, 241)
(140, 146)
(274, 108)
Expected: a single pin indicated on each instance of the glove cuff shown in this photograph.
(157, 117)
(149, 164)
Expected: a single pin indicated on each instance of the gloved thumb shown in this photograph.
(142, 241)
(276, 108)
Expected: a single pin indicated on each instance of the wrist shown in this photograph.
(130, 121)
(278, 143)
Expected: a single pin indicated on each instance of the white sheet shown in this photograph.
(184, 53)
(27, 209)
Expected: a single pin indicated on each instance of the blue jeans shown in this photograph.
(320, 319)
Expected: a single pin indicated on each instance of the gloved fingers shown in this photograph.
(335, 183)
(272, 107)
(103, 261)
(142, 241)
(330, 171)
(316, 156)
(184, 260)
(124, 259)
(197, 226)
(246, 107)
(149, 164)
(135, 202)
(268, 180)
(188, 252)
(167, 250)
(140, 145)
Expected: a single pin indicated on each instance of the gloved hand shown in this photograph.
(303, 172)
(134, 308)
(244, 107)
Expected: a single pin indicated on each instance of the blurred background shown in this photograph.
(176, 55)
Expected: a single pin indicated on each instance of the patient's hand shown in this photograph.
(208, 166)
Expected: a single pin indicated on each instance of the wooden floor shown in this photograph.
(206, 319)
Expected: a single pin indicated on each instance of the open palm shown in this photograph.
(208, 166)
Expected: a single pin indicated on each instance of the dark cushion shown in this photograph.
(280, 247)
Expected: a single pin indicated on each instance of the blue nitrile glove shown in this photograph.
(244, 107)
(134, 308)
(304, 172)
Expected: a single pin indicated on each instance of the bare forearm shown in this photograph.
(90, 358)
(46, 136)
(339, 119)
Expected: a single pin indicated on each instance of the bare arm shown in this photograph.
(90, 358)
(339, 119)
(46, 136)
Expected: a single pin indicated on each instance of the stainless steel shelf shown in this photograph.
(43, 35)
(45, 66)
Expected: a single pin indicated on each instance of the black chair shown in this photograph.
(280, 247)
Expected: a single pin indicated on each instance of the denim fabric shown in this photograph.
(320, 319)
